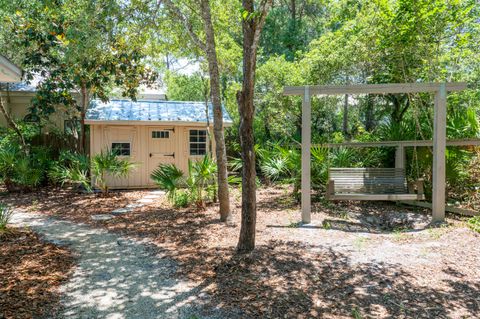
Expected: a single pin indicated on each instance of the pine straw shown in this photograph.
(31, 272)
(295, 272)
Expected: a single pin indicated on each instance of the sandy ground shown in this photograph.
(115, 277)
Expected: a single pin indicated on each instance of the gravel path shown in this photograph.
(116, 277)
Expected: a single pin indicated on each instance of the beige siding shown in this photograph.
(142, 145)
(18, 104)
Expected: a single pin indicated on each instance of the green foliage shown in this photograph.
(181, 87)
(169, 178)
(5, 216)
(474, 223)
(181, 199)
(108, 164)
(201, 178)
(71, 168)
(200, 183)
(19, 171)
(74, 45)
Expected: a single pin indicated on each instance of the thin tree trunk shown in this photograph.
(251, 35)
(221, 154)
(11, 123)
(83, 112)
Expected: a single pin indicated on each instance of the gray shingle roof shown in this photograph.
(171, 111)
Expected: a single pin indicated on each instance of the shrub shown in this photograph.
(5, 216)
(19, 171)
(181, 199)
(70, 168)
(168, 178)
(109, 164)
(201, 177)
(474, 223)
(200, 182)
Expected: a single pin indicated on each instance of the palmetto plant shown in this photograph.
(200, 182)
(278, 163)
(71, 168)
(18, 170)
(201, 177)
(107, 164)
(5, 215)
(169, 178)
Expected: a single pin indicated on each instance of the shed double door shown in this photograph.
(161, 148)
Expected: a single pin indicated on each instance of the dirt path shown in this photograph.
(115, 277)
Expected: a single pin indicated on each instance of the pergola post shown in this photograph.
(439, 146)
(400, 156)
(306, 144)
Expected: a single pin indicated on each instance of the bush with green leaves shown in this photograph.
(182, 199)
(5, 216)
(20, 171)
(474, 223)
(197, 187)
(168, 178)
(201, 180)
(71, 168)
(108, 164)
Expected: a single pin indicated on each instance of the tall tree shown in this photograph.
(208, 47)
(84, 47)
(252, 24)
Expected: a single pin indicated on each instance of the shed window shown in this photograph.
(160, 134)
(121, 149)
(198, 142)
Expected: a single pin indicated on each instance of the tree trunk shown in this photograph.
(221, 154)
(83, 111)
(251, 33)
(11, 123)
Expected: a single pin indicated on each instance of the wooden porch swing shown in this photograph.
(372, 184)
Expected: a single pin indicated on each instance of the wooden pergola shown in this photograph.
(439, 131)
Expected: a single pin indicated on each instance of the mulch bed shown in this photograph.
(31, 272)
(295, 272)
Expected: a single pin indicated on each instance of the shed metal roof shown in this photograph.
(17, 87)
(144, 110)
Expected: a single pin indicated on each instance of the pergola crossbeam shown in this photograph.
(409, 143)
(390, 88)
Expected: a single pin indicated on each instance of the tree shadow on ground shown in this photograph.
(286, 279)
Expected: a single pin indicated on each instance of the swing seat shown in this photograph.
(382, 184)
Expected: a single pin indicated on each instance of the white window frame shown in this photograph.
(198, 143)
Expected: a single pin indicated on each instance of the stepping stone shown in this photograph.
(152, 196)
(145, 200)
(134, 206)
(102, 217)
(120, 211)
(159, 192)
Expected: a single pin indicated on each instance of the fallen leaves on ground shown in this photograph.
(31, 272)
(296, 272)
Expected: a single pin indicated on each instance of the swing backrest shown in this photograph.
(368, 180)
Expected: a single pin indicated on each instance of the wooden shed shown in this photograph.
(150, 133)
